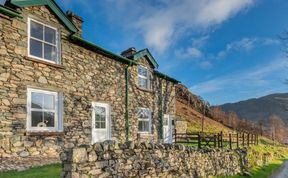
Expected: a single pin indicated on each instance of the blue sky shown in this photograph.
(222, 50)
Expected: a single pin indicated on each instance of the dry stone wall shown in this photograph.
(131, 159)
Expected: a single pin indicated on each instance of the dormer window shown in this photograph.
(43, 42)
(144, 78)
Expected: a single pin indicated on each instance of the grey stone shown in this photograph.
(24, 154)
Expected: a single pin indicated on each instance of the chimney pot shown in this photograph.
(129, 52)
(77, 21)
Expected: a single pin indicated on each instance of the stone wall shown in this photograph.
(149, 160)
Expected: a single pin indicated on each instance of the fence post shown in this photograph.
(237, 140)
(243, 139)
(248, 138)
(215, 140)
(257, 140)
(230, 141)
(199, 140)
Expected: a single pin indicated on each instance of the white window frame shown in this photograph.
(57, 46)
(148, 78)
(58, 121)
(149, 121)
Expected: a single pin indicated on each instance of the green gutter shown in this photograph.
(9, 12)
(101, 50)
(164, 76)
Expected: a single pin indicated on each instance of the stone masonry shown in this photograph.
(131, 159)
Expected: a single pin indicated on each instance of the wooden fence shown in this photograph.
(220, 140)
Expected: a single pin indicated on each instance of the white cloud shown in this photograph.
(244, 81)
(190, 52)
(161, 23)
(246, 45)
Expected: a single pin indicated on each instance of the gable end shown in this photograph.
(147, 54)
(51, 4)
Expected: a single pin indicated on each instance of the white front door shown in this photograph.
(101, 122)
(167, 129)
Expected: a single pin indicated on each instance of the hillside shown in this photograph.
(261, 108)
(190, 108)
(194, 119)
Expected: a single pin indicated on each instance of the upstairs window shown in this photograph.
(43, 42)
(144, 120)
(44, 110)
(144, 78)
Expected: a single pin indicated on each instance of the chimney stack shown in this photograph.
(129, 52)
(77, 21)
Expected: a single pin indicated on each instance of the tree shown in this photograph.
(277, 128)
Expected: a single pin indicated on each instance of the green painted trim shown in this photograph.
(52, 5)
(82, 42)
(164, 76)
(146, 52)
(127, 124)
(9, 12)
(161, 111)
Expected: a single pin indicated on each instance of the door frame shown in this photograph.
(108, 121)
(170, 127)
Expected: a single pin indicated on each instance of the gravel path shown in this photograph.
(282, 172)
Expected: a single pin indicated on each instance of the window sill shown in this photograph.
(44, 62)
(44, 133)
(145, 133)
(145, 90)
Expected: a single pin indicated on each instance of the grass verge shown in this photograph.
(50, 171)
(261, 171)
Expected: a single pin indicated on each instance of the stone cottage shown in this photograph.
(58, 90)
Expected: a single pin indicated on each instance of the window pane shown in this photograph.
(36, 30)
(142, 71)
(103, 125)
(142, 82)
(49, 52)
(37, 100)
(143, 126)
(100, 110)
(49, 101)
(49, 118)
(36, 119)
(143, 113)
(36, 48)
(97, 125)
(165, 121)
(50, 35)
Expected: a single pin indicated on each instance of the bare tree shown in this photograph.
(277, 128)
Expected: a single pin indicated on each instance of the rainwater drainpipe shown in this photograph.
(127, 122)
(161, 112)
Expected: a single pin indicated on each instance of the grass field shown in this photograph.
(50, 171)
(263, 171)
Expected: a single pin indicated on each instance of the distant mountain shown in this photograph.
(261, 108)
